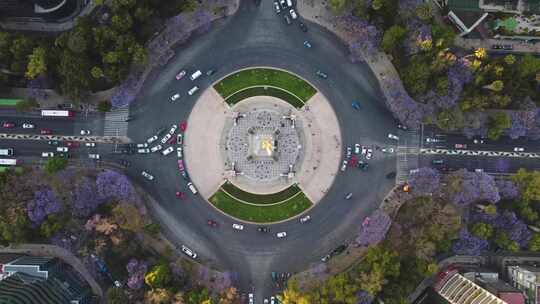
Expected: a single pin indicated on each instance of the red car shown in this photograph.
(461, 146)
(183, 126)
(72, 144)
(7, 124)
(180, 194)
(212, 223)
(45, 131)
(181, 165)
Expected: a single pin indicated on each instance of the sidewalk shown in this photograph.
(50, 99)
(55, 251)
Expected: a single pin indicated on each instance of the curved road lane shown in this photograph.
(256, 36)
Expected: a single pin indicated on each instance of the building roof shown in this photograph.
(464, 5)
(8, 257)
(512, 297)
(34, 260)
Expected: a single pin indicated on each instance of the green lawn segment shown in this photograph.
(260, 213)
(260, 77)
(265, 91)
(260, 199)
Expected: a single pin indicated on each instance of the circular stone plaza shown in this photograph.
(261, 153)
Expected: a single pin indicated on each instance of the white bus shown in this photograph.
(8, 162)
(57, 113)
(6, 152)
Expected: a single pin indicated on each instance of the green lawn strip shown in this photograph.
(265, 91)
(260, 199)
(260, 214)
(255, 77)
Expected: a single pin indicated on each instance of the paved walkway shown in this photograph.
(50, 99)
(38, 25)
(62, 254)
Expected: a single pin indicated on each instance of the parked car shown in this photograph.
(307, 44)
(147, 175)
(61, 149)
(175, 97)
(348, 196)
(478, 141)
(321, 74)
(496, 46)
(281, 235)
(173, 129)
(90, 144)
(179, 139)
(156, 148)
(151, 139)
(326, 258)
(210, 72)
(303, 27)
(349, 152)
(27, 125)
(94, 156)
(47, 154)
(364, 150)
(276, 7)
(181, 74)
(287, 19)
(344, 166)
(212, 223)
(238, 226)
(190, 253)
(192, 188)
(193, 90)
(392, 136)
(369, 153)
(183, 126)
(167, 151)
(143, 145)
(356, 148)
(519, 149)
(293, 14)
(460, 146)
(179, 152)
(508, 47)
(143, 151)
(180, 164)
(305, 219)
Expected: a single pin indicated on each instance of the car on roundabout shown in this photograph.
(147, 175)
(27, 125)
(181, 75)
(238, 226)
(276, 7)
(151, 139)
(355, 105)
(307, 44)
(344, 166)
(190, 253)
(348, 196)
(166, 138)
(305, 219)
(181, 195)
(167, 151)
(263, 229)
(175, 97)
(183, 126)
(156, 148)
(281, 235)
(321, 74)
(212, 223)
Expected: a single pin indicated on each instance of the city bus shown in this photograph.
(8, 162)
(6, 152)
(56, 113)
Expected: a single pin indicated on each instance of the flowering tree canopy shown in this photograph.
(43, 204)
(467, 187)
(374, 230)
(507, 189)
(85, 198)
(113, 185)
(468, 244)
(425, 181)
(136, 271)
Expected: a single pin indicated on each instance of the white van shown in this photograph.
(192, 188)
(193, 90)
(289, 3)
(195, 75)
(47, 154)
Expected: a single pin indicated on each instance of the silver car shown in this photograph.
(152, 139)
(190, 253)
(156, 148)
(147, 175)
(165, 138)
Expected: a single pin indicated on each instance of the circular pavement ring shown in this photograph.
(203, 146)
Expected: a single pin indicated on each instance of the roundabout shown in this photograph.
(255, 37)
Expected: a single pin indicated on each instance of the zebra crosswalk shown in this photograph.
(115, 122)
(407, 154)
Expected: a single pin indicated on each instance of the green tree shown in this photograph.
(392, 38)
(337, 6)
(416, 76)
(534, 242)
(504, 242)
(97, 72)
(122, 23)
(140, 56)
(121, 5)
(529, 184)
(51, 225)
(5, 45)
(529, 66)
(450, 119)
(158, 277)
(74, 72)
(482, 230)
(443, 36)
(37, 64)
(116, 296)
(143, 13)
(496, 86)
(498, 122)
(104, 106)
(377, 4)
(21, 47)
(26, 105)
(14, 226)
(424, 12)
(55, 164)
(510, 59)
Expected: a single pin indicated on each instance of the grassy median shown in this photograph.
(260, 213)
(260, 77)
(265, 91)
(261, 199)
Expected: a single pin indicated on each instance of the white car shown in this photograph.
(143, 151)
(28, 126)
(519, 149)
(179, 152)
(165, 138)
(85, 132)
(344, 166)
(175, 96)
(281, 235)
(93, 156)
(293, 14)
(190, 253)
(272, 300)
(238, 226)
(392, 136)
(193, 90)
(156, 148)
(349, 152)
(356, 148)
(167, 151)
(364, 150)
(147, 175)
(143, 145)
(152, 139)
(90, 144)
(47, 154)
(305, 219)
(173, 129)
(61, 149)
(250, 296)
(369, 153)
(433, 140)
(387, 150)
(277, 8)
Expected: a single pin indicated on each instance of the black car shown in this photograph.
(287, 19)
(303, 27)
(262, 229)
(496, 46)
(339, 249)
(391, 175)
(508, 47)
(210, 72)
(125, 163)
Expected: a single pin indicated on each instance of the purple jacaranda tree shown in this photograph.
(203, 19)
(507, 189)
(469, 187)
(136, 271)
(113, 185)
(43, 204)
(515, 228)
(374, 229)
(458, 75)
(318, 269)
(522, 122)
(363, 297)
(406, 109)
(476, 124)
(367, 37)
(425, 181)
(501, 165)
(468, 244)
(85, 198)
